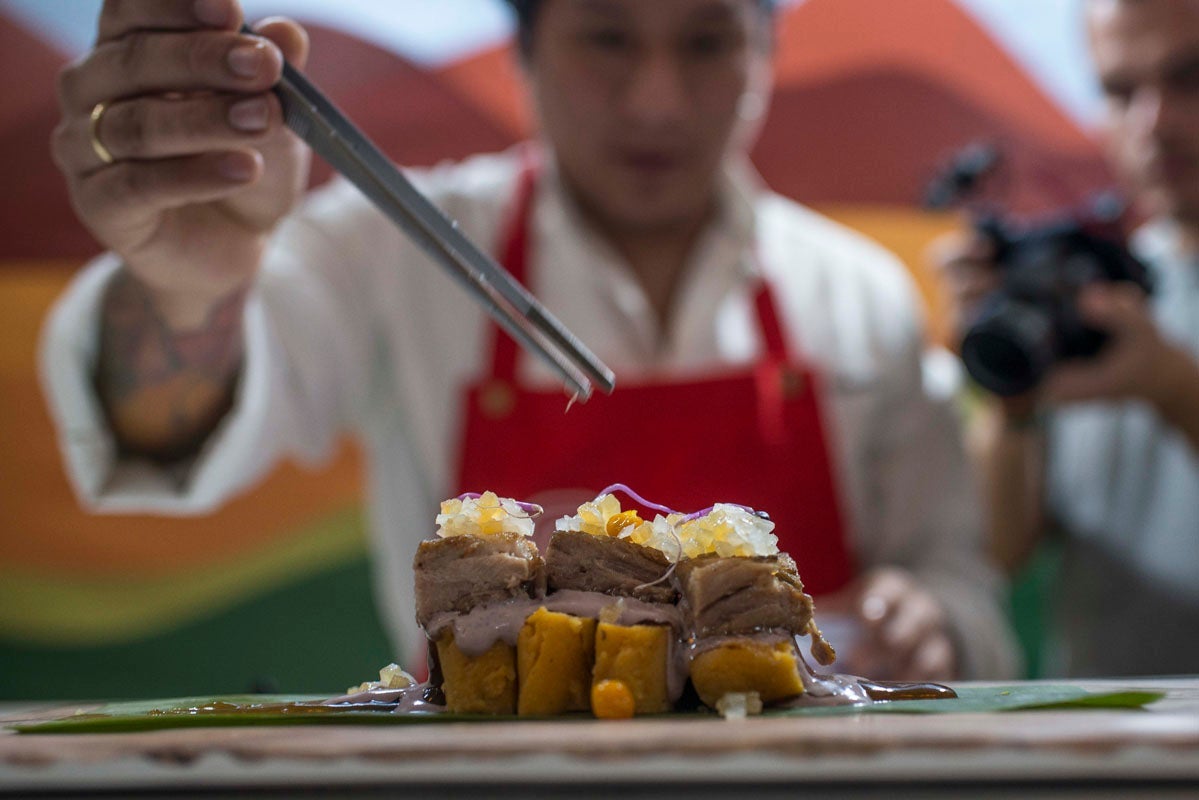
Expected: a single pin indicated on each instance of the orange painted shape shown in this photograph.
(908, 233)
(491, 80)
(44, 527)
(935, 38)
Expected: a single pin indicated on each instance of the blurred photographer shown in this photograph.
(1105, 449)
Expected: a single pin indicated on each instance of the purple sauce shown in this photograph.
(407, 700)
(476, 631)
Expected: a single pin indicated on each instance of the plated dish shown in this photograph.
(632, 609)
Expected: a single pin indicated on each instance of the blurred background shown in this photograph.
(273, 592)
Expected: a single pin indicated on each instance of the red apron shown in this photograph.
(752, 437)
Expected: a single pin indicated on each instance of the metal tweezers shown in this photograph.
(316, 120)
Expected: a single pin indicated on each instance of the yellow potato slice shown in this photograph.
(771, 670)
(635, 655)
(553, 663)
(483, 684)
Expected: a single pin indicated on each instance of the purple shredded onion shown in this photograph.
(665, 575)
(620, 487)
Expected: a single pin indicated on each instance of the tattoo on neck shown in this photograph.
(164, 391)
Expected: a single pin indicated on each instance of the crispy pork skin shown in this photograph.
(581, 561)
(732, 596)
(460, 572)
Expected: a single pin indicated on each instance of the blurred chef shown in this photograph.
(764, 355)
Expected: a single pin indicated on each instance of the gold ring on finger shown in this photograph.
(97, 145)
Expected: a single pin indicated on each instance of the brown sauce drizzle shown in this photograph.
(895, 690)
(433, 691)
(821, 650)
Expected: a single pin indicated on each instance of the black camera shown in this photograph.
(1032, 320)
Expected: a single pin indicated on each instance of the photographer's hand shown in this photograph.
(1137, 362)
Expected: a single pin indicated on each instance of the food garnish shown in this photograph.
(484, 515)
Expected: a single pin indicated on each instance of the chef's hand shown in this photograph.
(202, 167)
(904, 633)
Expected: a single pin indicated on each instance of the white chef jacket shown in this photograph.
(1124, 486)
(351, 328)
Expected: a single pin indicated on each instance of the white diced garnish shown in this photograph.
(392, 677)
(739, 705)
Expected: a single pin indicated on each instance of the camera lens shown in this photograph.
(1009, 348)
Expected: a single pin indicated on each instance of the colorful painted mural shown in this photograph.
(873, 95)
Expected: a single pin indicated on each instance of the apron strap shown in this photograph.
(770, 325)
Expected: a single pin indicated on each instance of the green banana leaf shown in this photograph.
(146, 715)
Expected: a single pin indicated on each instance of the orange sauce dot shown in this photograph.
(611, 700)
(619, 522)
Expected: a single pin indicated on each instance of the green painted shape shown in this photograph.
(125, 717)
(1030, 604)
(318, 634)
(54, 610)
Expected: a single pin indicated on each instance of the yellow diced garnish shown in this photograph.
(728, 530)
(594, 515)
(486, 515)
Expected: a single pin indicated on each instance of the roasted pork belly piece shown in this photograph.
(458, 573)
(728, 596)
(588, 563)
